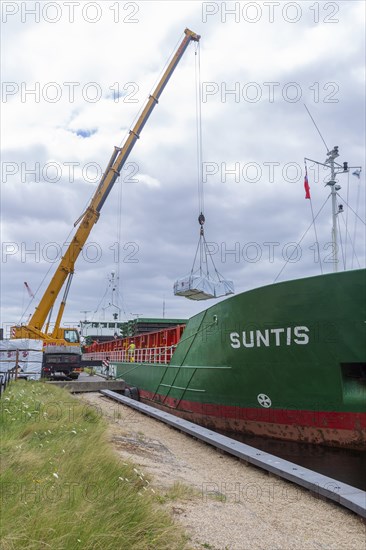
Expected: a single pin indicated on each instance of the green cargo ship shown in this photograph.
(285, 361)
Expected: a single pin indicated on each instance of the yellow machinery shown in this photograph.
(66, 337)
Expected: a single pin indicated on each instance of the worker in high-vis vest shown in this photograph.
(131, 352)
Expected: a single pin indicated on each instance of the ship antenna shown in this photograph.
(323, 140)
(335, 168)
(334, 188)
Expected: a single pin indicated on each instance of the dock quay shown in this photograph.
(93, 384)
(221, 501)
(321, 486)
(318, 484)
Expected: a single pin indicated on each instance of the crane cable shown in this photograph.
(117, 251)
(202, 247)
(201, 217)
(201, 205)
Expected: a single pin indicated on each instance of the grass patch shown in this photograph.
(62, 487)
(178, 492)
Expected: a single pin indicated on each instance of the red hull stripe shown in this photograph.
(316, 418)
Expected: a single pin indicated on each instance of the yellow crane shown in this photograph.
(65, 270)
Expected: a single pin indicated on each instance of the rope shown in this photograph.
(219, 276)
(315, 231)
(353, 250)
(302, 238)
(355, 213)
(323, 140)
(101, 300)
(341, 242)
(195, 257)
(353, 241)
(355, 226)
(316, 238)
(345, 244)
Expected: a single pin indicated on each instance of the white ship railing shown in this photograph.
(161, 355)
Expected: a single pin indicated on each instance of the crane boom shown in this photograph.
(91, 215)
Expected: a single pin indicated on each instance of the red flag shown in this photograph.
(306, 185)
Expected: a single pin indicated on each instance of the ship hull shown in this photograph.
(286, 361)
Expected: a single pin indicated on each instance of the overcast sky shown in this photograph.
(74, 77)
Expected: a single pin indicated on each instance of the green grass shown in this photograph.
(62, 486)
(179, 491)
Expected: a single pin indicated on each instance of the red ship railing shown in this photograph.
(145, 355)
(150, 347)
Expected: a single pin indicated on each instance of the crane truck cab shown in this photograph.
(61, 360)
(62, 355)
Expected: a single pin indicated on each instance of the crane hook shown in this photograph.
(201, 221)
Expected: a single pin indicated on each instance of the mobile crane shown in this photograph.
(62, 345)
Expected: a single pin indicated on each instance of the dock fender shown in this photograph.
(132, 392)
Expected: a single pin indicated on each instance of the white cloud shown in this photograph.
(155, 213)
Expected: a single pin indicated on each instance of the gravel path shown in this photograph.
(222, 503)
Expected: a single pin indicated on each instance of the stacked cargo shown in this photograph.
(142, 325)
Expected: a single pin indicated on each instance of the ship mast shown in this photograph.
(335, 168)
(334, 187)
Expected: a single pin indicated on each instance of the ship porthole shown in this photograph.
(264, 400)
